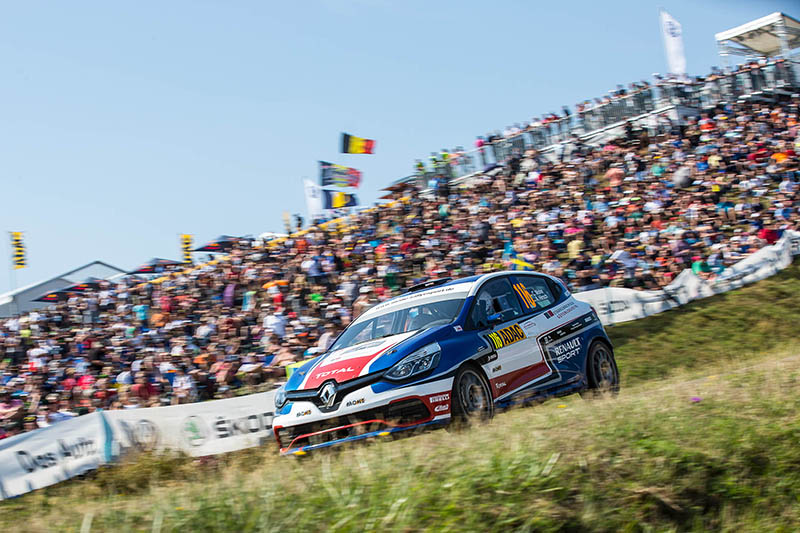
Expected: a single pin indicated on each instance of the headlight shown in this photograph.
(418, 362)
(280, 397)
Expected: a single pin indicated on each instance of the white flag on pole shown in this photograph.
(673, 44)
(313, 198)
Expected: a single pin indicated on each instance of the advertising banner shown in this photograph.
(53, 454)
(616, 304)
(198, 429)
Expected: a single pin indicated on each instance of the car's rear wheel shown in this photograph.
(471, 396)
(602, 371)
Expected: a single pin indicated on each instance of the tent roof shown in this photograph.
(761, 35)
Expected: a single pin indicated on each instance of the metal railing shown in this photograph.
(765, 80)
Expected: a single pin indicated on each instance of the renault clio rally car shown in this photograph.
(446, 350)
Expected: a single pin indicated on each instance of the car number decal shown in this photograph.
(524, 295)
(506, 336)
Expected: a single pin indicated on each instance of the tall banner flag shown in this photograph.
(338, 175)
(338, 200)
(673, 44)
(313, 198)
(18, 259)
(186, 247)
(356, 145)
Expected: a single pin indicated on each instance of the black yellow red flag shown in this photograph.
(356, 145)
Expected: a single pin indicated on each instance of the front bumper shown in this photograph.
(302, 426)
(356, 435)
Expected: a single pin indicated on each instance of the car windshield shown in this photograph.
(396, 321)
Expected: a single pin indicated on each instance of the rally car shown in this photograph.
(446, 350)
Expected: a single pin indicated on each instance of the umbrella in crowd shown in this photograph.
(220, 244)
(52, 296)
(155, 266)
(89, 284)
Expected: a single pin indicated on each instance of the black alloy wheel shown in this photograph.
(471, 397)
(602, 371)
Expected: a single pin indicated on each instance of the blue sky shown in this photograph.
(124, 124)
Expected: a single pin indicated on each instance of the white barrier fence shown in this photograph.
(47, 456)
(615, 304)
(53, 454)
(197, 429)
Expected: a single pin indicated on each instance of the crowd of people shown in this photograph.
(702, 197)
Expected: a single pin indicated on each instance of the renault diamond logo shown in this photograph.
(328, 394)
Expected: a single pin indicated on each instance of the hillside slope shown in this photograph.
(703, 437)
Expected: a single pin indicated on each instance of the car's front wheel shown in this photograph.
(471, 397)
(601, 370)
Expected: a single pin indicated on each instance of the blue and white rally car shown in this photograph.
(445, 350)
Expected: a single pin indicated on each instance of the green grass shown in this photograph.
(728, 327)
(651, 460)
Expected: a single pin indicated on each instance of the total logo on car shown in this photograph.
(446, 350)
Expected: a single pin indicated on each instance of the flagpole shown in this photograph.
(12, 278)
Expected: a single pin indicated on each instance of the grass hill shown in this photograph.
(704, 436)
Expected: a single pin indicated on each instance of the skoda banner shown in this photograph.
(53, 454)
(196, 429)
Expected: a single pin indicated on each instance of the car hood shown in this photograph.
(349, 363)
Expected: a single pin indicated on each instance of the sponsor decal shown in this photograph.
(458, 328)
(332, 372)
(525, 296)
(304, 413)
(564, 310)
(439, 398)
(612, 306)
(549, 314)
(570, 327)
(441, 407)
(230, 427)
(506, 336)
(418, 296)
(81, 447)
(142, 435)
(488, 358)
(500, 385)
(497, 368)
(194, 431)
(528, 324)
(351, 403)
(481, 348)
(567, 350)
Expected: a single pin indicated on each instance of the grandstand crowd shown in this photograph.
(631, 214)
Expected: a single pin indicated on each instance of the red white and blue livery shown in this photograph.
(446, 350)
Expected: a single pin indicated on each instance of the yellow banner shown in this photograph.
(186, 247)
(18, 245)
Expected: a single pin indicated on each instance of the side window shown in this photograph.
(535, 292)
(496, 296)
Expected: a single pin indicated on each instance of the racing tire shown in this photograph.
(471, 397)
(601, 371)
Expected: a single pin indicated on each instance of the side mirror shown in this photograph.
(494, 319)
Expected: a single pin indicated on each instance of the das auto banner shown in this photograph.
(617, 304)
(36, 459)
(198, 429)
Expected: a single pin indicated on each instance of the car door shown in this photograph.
(498, 314)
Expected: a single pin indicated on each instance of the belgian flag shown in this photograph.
(18, 259)
(356, 145)
(338, 200)
(186, 247)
